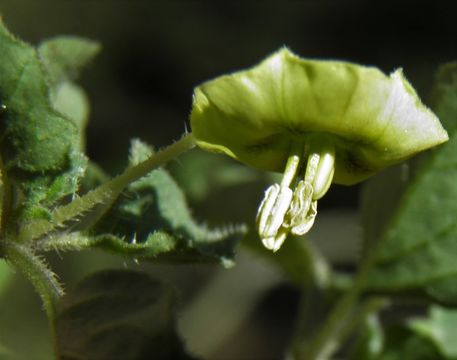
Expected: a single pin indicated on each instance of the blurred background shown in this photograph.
(154, 53)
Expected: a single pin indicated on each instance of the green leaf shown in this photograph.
(5, 275)
(118, 314)
(369, 342)
(44, 119)
(418, 246)
(439, 327)
(36, 137)
(199, 173)
(153, 218)
(64, 56)
(299, 261)
(403, 344)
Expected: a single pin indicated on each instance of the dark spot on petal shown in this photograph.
(262, 144)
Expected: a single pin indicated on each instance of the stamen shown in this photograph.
(276, 202)
(283, 211)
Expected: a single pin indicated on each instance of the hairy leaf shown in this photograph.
(418, 247)
(118, 314)
(43, 118)
(64, 56)
(36, 137)
(153, 218)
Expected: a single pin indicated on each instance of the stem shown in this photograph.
(368, 307)
(105, 193)
(329, 335)
(38, 273)
(6, 198)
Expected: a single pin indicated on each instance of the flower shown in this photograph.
(318, 121)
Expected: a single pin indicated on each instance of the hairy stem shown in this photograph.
(5, 198)
(106, 193)
(43, 279)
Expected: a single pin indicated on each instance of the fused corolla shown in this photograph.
(318, 122)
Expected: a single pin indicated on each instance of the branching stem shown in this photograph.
(106, 193)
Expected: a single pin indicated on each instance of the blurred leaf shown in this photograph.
(444, 95)
(369, 343)
(64, 56)
(118, 314)
(417, 250)
(297, 258)
(5, 275)
(201, 172)
(70, 100)
(440, 328)
(5, 353)
(402, 344)
(152, 218)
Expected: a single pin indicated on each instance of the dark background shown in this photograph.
(155, 52)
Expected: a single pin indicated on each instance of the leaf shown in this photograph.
(439, 327)
(43, 121)
(64, 56)
(402, 344)
(199, 173)
(297, 258)
(118, 314)
(153, 218)
(36, 137)
(417, 249)
(5, 275)
(369, 342)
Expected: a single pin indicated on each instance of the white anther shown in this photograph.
(270, 215)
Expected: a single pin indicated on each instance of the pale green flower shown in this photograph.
(318, 121)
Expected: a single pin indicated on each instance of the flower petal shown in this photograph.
(372, 119)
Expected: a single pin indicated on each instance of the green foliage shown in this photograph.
(54, 199)
(403, 344)
(439, 327)
(44, 114)
(370, 341)
(40, 159)
(63, 58)
(38, 138)
(5, 275)
(417, 247)
(118, 314)
(153, 218)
